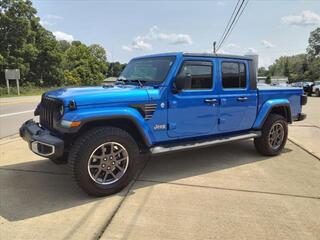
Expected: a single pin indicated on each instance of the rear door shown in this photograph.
(238, 103)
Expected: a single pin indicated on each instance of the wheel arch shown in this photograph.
(281, 108)
(126, 123)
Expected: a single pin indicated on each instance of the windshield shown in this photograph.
(147, 70)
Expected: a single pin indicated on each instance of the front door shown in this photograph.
(193, 111)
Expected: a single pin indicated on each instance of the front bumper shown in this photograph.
(41, 141)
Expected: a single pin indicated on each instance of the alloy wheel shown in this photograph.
(108, 163)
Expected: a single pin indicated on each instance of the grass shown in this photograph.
(24, 91)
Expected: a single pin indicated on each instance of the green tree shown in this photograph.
(43, 60)
(115, 69)
(313, 49)
(17, 36)
(85, 65)
(26, 45)
(263, 72)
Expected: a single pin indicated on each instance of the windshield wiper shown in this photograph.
(140, 82)
(124, 81)
(121, 80)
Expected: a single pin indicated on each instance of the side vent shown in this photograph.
(146, 110)
(149, 109)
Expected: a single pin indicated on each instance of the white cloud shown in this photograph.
(251, 50)
(50, 16)
(232, 45)
(266, 61)
(126, 48)
(221, 3)
(140, 44)
(306, 18)
(221, 51)
(267, 44)
(172, 38)
(143, 42)
(50, 20)
(46, 23)
(63, 36)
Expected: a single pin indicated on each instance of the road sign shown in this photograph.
(12, 74)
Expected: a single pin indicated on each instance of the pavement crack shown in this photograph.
(34, 171)
(304, 149)
(229, 189)
(122, 200)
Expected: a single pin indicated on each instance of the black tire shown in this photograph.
(144, 157)
(262, 143)
(86, 144)
(317, 92)
(60, 160)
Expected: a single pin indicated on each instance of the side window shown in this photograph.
(198, 73)
(234, 75)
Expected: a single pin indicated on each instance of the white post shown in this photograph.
(18, 87)
(8, 86)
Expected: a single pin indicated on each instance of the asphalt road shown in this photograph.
(14, 112)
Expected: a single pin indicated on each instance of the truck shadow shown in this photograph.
(175, 166)
(29, 193)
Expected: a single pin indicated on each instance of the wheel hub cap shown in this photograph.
(276, 135)
(108, 163)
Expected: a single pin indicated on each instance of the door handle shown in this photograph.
(242, 99)
(211, 100)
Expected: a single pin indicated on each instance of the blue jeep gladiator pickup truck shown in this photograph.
(159, 104)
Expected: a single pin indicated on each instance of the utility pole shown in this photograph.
(214, 47)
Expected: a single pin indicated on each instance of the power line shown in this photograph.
(234, 10)
(235, 23)
(235, 19)
(228, 27)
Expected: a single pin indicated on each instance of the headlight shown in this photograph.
(61, 110)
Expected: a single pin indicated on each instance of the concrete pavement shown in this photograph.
(39, 200)
(222, 192)
(305, 133)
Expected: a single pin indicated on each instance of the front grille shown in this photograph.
(49, 111)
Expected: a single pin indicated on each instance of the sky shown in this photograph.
(126, 29)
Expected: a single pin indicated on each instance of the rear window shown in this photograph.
(234, 75)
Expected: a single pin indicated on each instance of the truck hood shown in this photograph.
(84, 96)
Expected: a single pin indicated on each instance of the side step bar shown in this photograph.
(200, 144)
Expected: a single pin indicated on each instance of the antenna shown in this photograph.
(214, 47)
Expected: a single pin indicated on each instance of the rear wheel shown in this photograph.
(317, 92)
(274, 136)
(103, 160)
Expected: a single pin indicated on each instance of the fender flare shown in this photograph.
(267, 107)
(128, 113)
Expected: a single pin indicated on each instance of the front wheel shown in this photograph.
(60, 160)
(103, 160)
(274, 136)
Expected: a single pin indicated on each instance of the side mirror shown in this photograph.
(182, 82)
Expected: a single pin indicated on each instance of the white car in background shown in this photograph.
(316, 88)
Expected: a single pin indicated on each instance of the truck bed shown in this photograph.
(293, 94)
